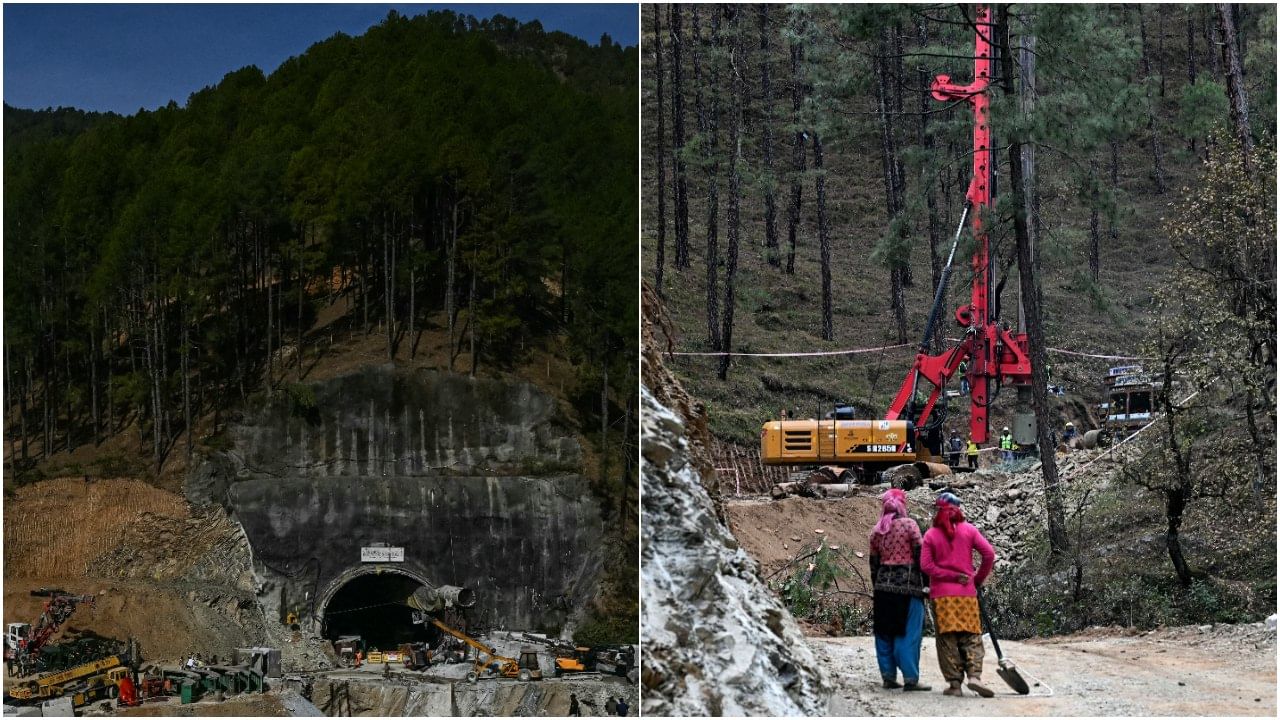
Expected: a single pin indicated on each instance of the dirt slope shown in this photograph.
(774, 531)
(1227, 670)
(176, 582)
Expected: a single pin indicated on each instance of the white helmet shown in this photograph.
(1006, 429)
(1071, 425)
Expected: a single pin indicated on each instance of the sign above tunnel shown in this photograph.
(381, 554)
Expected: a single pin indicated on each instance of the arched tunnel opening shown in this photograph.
(374, 606)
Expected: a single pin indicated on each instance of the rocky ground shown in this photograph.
(1222, 670)
(717, 641)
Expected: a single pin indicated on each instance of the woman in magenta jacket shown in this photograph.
(946, 556)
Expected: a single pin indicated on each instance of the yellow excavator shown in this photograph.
(490, 664)
(861, 446)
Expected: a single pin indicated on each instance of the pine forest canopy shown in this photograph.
(156, 265)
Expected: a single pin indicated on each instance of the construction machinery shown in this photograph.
(24, 641)
(912, 427)
(95, 674)
(490, 664)
(1131, 399)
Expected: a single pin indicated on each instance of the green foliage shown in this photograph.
(1202, 107)
(160, 237)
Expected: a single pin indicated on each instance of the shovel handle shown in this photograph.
(986, 623)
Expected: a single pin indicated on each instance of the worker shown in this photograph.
(946, 556)
(784, 413)
(963, 371)
(1068, 433)
(622, 707)
(359, 657)
(574, 709)
(898, 593)
(1006, 445)
(954, 446)
(972, 451)
(610, 706)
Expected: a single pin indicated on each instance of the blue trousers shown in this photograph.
(903, 652)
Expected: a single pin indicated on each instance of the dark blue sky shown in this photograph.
(126, 57)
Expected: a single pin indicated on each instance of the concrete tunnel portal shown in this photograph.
(379, 604)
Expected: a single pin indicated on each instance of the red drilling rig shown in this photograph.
(23, 643)
(911, 429)
(995, 354)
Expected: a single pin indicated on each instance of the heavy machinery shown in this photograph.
(97, 673)
(24, 641)
(1131, 399)
(490, 664)
(912, 427)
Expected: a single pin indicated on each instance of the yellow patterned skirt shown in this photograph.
(957, 614)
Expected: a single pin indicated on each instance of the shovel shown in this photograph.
(1007, 670)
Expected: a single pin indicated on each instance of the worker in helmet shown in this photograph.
(972, 452)
(954, 447)
(1068, 433)
(1006, 445)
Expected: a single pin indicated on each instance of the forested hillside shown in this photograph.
(801, 190)
(471, 178)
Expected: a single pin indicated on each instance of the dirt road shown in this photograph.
(1226, 670)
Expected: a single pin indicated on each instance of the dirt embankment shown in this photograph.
(774, 532)
(1223, 670)
(178, 583)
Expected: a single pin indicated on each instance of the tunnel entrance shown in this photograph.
(373, 607)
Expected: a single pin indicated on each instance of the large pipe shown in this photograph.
(428, 599)
(930, 469)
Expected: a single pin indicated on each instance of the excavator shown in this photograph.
(490, 664)
(912, 429)
(24, 641)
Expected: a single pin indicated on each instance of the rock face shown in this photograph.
(476, 480)
(717, 641)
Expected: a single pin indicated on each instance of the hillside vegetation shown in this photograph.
(441, 191)
(1151, 210)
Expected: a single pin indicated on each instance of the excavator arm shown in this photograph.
(482, 651)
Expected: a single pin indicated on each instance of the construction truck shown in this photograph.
(992, 354)
(82, 678)
(24, 641)
(489, 664)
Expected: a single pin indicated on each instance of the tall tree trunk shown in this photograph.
(1191, 59)
(890, 167)
(1213, 41)
(1152, 106)
(710, 120)
(271, 363)
(604, 420)
(1177, 494)
(824, 238)
(450, 291)
(678, 138)
(661, 154)
(737, 65)
(925, 140)
(94, 354)
(1027, 99)
(186, 386)
(1094, 239)
(766, 141)
(1239, 102)
(1057, 525)
(388, 292)
(899, 173)
(472, 318)
(797, 157)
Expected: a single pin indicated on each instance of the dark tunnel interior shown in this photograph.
(372, 606)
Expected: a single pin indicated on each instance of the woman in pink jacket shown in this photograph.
(947, 558)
